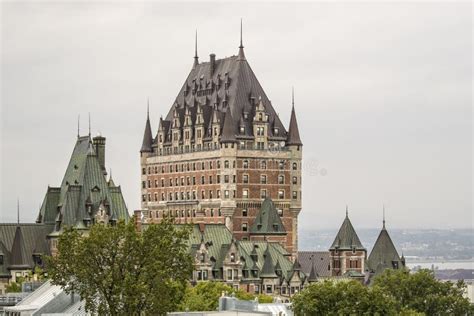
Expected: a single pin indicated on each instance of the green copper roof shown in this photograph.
(347, 238)
(84, 181)
(267, 220)
(265, 257)
(383, 253)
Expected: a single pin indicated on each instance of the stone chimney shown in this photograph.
(212, 64)
(99, 146)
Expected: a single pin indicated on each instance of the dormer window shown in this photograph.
(1, 259)
(232, 257)
(275, 131)
(242, 130)
(203, 257)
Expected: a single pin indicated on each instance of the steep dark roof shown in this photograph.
(18, 243)
(293, 132)
(383, 253)
(319, 259)
(147, 137)
(267, 220)
(347, 238)
(228, 84)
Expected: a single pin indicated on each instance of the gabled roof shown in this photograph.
(268, 270)
(18, 251)
(346, 238)
(267, 220)
(383, 253)
(147, 136)
(228, 131)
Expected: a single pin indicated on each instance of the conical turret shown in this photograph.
(147, 136)
(293, 137)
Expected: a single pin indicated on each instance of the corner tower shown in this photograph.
(220, 151)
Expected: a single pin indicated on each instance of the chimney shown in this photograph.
(99, 146)
(137, 218)
(213, 64)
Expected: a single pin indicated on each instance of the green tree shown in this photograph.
(205, 296)
(342, 298)
(118, 271)
(421, 292)
(14, 287)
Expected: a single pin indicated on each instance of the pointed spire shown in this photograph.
(347, 211)
(89, 124)
(196, 58)
(78, 125)
(241, 47)
(18, 211)
(313, 276)
(293, 137)
(147, 137)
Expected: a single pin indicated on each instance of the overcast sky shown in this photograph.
(383, 97)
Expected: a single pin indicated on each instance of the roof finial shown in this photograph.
(347, 211)
(78, 125)
(241, 42)
(148, 108)
(196, 58)
(241, 47)
(18, 211)
(383, 221)
(293, 96)
(89, 124)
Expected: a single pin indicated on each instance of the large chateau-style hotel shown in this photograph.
(220, 151)
(222, 160)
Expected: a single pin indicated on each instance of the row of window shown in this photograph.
(210, 165)
(207, 213)
(191, 195)
(186, 213)
(225, 179)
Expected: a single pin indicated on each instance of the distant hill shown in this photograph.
(453, 244)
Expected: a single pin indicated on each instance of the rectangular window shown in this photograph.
(281, 165)
(281, 179)
(263, 193)
(226, 178)
(263, 179)
(295, 195)
(244, 227)
(245, 164)
(281, 194)
(226, 194)
(245, 178)
(295, 180)
(245, 193)
(244, 213)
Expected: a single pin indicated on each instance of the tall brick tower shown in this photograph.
(221, 151)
